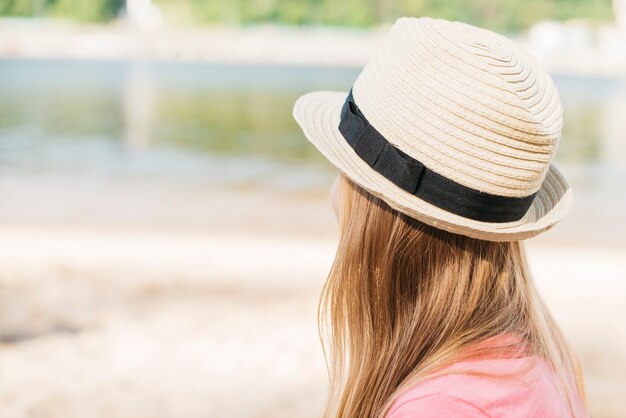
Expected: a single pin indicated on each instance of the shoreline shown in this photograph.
(281, 45)
(213, 256)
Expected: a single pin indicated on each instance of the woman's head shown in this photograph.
(440, 125)
(404, 299)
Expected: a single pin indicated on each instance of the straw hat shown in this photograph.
(451, 124)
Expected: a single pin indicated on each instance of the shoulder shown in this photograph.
(473, 390)
(436, 405)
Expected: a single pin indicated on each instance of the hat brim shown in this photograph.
(318, 114)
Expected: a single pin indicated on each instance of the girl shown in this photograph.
(445, 145)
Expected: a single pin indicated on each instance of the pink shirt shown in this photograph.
(533, 395)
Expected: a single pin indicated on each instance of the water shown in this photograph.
(72, 125)
(111, 116)
(124, 118)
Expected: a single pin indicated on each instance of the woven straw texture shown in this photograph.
(466, 102)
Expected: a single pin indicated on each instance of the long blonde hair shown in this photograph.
(404, 299)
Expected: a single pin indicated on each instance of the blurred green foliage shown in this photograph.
(88, 10)
(84, 10)
(508, 15)
(504, 15)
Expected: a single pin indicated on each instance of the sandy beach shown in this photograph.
(161, 324)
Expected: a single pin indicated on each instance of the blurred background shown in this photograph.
(164, 226)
